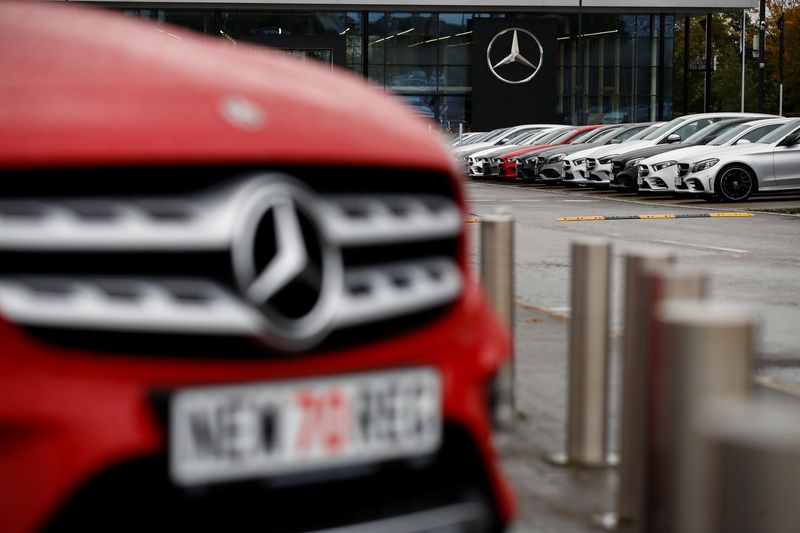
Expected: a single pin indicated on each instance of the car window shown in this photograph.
(757, 134)
(727, 134)
(512, 138)
(607, 135)
(529, 136)
(555, 135)
(779, 133)
(585, 136)
(692, 126)
(631, 133)
(704, 135)
(497, 135)
(563, 137)
(664, 128)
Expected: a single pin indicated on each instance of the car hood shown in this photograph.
(728, 152)
(681, 153)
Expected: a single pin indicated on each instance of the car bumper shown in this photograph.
(626, 179)
(95, 414)
(600, 177)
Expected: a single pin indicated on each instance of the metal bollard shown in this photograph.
(460, 131)
(708, 351)
(497, 276)
(630, 496)
(660, 283)
(754, 472)
(587, 400)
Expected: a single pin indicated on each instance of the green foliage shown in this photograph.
(726, 80)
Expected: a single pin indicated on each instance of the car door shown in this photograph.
(786, 161)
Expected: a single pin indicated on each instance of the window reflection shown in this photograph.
(426, 58)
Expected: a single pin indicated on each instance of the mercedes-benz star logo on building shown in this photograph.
(284, 263)
(530, 57)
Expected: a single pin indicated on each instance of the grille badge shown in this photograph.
(285, 264)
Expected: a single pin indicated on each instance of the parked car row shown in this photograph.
(716, 156)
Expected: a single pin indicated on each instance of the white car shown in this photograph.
(658, 173)
(599, 165)
(486, 163)
(574, 165)
(733, 174)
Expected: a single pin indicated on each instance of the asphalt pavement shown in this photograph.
(753, 260)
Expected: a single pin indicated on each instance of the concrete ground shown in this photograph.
(551, 499)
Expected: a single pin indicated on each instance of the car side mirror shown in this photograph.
(615, 141)
(504, 141)
(791, 139)
(674, 138)
(743, 141)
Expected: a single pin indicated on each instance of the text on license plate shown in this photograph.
(253, 430)
(679, 181)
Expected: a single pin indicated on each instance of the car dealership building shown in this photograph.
(487, 63)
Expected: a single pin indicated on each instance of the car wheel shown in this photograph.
(735, 184)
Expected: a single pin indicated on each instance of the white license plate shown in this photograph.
(245, 431)
(679, 181)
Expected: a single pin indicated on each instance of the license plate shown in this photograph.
(679, 181)
(257, 430)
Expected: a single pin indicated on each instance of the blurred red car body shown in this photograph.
(120, 293)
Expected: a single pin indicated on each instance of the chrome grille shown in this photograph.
(683, 169)
(205, 301)
(591, 163)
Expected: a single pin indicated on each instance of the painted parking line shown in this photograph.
(705, 247)
(655, 217)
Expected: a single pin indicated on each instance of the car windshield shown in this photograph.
(645, 132)
(584, 136)
(781, 132)
(554, 135)
(479, 137)
(606, 135)
(562, 136)
(532, 136)
(513, 138)
(631, 133)
(664, 128)
(714, 129)
(728, 134)
(496, 135)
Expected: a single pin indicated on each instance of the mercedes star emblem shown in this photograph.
(284, 263)
(533, 61)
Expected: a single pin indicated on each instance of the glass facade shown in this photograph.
(426, 57)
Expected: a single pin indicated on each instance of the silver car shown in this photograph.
(733, 174)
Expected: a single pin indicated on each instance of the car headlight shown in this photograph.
(555, 159)
(606, 160)
(580, 161)
(633, 162)
(664, 164)
(704, 164)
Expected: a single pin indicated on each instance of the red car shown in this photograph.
(508, 161)
(212, 315)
